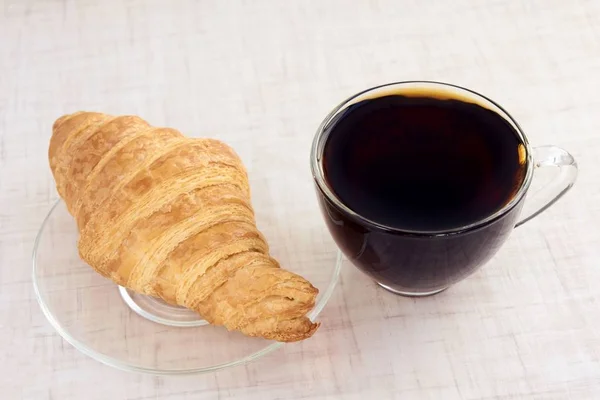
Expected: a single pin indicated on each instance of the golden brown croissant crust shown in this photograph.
(170, 216)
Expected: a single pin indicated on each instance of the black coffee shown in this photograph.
(423, 163)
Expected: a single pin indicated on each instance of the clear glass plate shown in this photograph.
(134, 333)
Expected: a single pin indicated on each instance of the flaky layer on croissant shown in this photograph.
(170, 216)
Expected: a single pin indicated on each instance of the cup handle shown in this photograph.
(549, 157)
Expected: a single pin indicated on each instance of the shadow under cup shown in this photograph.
(409, 262)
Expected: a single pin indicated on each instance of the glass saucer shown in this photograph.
(138, 333)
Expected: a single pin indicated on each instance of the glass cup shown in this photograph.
(414, 263)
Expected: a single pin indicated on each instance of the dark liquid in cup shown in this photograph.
(423, 163)
(417, 166)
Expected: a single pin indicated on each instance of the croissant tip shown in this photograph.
(59, 121)
(296, 335)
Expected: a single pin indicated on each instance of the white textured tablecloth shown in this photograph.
(527, 326)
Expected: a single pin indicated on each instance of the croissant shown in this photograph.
(170, 217)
